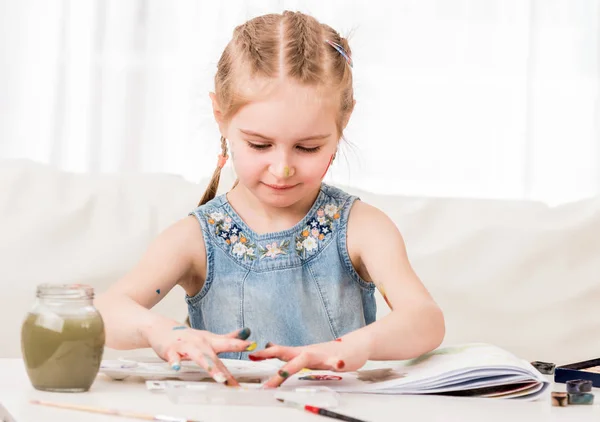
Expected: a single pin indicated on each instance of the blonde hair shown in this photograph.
(265, 46)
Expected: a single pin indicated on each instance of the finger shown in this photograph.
(222, 344)
(284, 353)
(230, 380)
(211, 363)
(174, 359)
(205, 361)
(301, 361)
(242, 334)
(335, 364)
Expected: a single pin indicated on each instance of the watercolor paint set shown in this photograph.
(192, 392)
(585, 370)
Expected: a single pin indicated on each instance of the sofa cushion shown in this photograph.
(518, 274)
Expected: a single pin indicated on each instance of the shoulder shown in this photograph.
(339, 198)
(185, 239)
(362, 212)
(209, 210)
(370, 227)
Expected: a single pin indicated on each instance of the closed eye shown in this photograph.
(304, 149)
(262, 147)
(258, 146)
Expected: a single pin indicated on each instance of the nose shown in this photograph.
(282, 168)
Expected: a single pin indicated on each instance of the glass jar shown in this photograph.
(62, 338)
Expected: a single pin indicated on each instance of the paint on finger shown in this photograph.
(340, 364)
(255, 358)
(232, 382)
(157, 291)
(251, 347)
(179, 327)
(176, 366)
(244, 333)
(269, 344)
(283, 374)
(209, 362)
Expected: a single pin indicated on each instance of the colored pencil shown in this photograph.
(112, 412)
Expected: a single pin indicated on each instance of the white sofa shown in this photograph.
(520, 275)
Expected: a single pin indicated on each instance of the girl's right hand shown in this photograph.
(184, 343)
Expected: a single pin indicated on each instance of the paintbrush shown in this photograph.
(113, 412)
(320, 411)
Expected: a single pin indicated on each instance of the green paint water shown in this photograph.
(62, 354)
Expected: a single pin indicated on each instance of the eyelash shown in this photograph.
(262, 147)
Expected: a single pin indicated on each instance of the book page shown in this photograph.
(441, 367)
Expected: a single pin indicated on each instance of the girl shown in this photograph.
(282, 253)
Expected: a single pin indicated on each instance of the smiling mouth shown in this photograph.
(280, 187)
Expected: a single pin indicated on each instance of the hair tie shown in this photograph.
(222, 161)
(341, 50)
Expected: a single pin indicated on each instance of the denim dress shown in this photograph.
(294, 287)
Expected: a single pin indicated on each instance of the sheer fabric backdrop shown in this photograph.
(467, 98)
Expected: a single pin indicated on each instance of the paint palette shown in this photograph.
(185, 392)
(150, 368)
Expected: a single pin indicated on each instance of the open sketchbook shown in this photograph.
(475, 369)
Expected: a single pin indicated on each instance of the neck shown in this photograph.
(244, 201)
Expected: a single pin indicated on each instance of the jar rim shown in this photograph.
(65, 291)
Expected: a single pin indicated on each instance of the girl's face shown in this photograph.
(281, 146)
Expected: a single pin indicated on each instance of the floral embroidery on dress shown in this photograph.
(228, 231)
(272, 250)
(317, 229)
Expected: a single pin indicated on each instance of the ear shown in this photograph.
(217, 113)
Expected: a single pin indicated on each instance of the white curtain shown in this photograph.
(467, 98)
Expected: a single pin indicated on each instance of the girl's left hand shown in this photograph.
(338, 356)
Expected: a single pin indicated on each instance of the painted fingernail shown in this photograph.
(219, 377)
(255, 358)
(244, 333)
(176, 366)
(340, 364)
(269, 344)
(251, 347)
(283, 374)
(338, 339)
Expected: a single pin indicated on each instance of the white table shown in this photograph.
(16, 391)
